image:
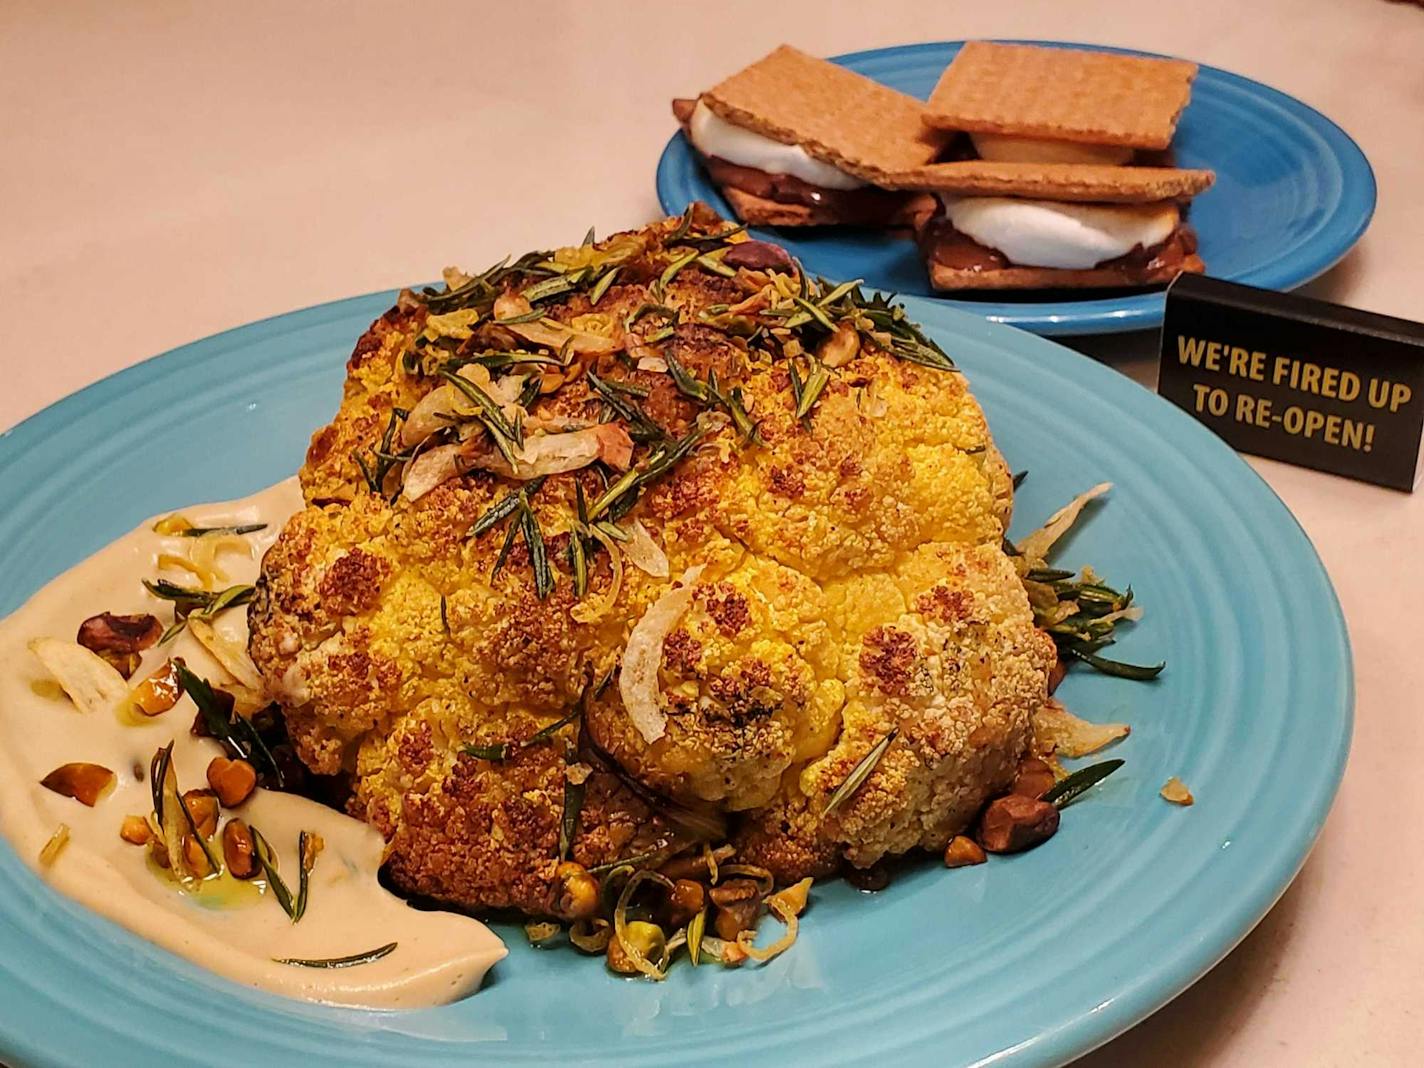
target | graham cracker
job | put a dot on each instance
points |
(950, 278)
(1062, 94)
(759, 211)
(1054, 181)
(837, 116)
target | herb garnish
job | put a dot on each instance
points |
(267, 860)
(569, 818)
(501, 751)
(234, 731)
(859, 773)
(188, 601)
(507, 438)
(1064, 791)
(340, 962)
(242, 528)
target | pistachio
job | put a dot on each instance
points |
(1034, 778)
(962, 852)
(81, 781)
(840, 347)
(135, 830)
(203, 807)
(239, 853)
(158, 693)
(1014, 823)
(119, 639)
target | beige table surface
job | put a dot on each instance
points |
(170, 170)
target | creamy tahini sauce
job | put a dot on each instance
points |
(235, 929)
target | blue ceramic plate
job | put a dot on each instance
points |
(1293, 194)
(1031, 959)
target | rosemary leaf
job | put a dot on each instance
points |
(444, 616)
(601, 286)
(243, 528)
(812, 388)
(267, 860)
(695, 931)
(840, 291)
(859, 773)
(538, 553)
(531, 316)
(708, 263)
(640, 426)
(1019, 478)
(588, 238)
(1063, 792)
(683, 226)
(569, 818)
(340, 962)
(551, 287)
(673, 268)
(493, 753)
(504, 507)
(306, 860)
(1116, 668)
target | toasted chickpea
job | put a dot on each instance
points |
(962, 852)
(134, 830)
(738, 904)
(685, 900)
(232, 780)
(239, 853)
(647, 938)
(203, 807)
(578, 894)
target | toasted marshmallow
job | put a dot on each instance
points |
(1047, 233)
(715, 136)
(1002, 148)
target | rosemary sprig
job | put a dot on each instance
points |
(709, 394)
(444, 616)
(673, 269)
(538, 552)
(500, 751)
(187, 601)
(241, 528)
(552, 287)
(640, 426)
(234, 731)
(306, 861)
(354, 959)
(506, 438)
(856, 779)
(267, 861)
(1064, 791)
(1116, 668)
(375, 474)
(620, 496)
(810, 389)
(504, 507)
(569, 818)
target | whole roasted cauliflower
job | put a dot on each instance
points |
(643, 542)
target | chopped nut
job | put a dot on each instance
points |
(756, 256)
(738, 904)
(134, 830)
(868, 880)
(962, 852)
(81, 781)
(549, 382)
(1034, 778)
(647, 938)
(232, 780)
(194, 857)
(685, 900)
(1176, 792)
(203, 807)
(119, 639)
(159, 692)
(239, 853)
(578, 896)
(841, 347)
(1015, 823)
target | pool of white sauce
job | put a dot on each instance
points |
(438, 957)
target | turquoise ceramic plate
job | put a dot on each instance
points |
(1027, 960)
(1293, 193)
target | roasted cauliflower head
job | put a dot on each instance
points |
(644, 541)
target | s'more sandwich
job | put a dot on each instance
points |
(794, 140)
(1060, 171)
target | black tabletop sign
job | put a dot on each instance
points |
(1294, 379)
